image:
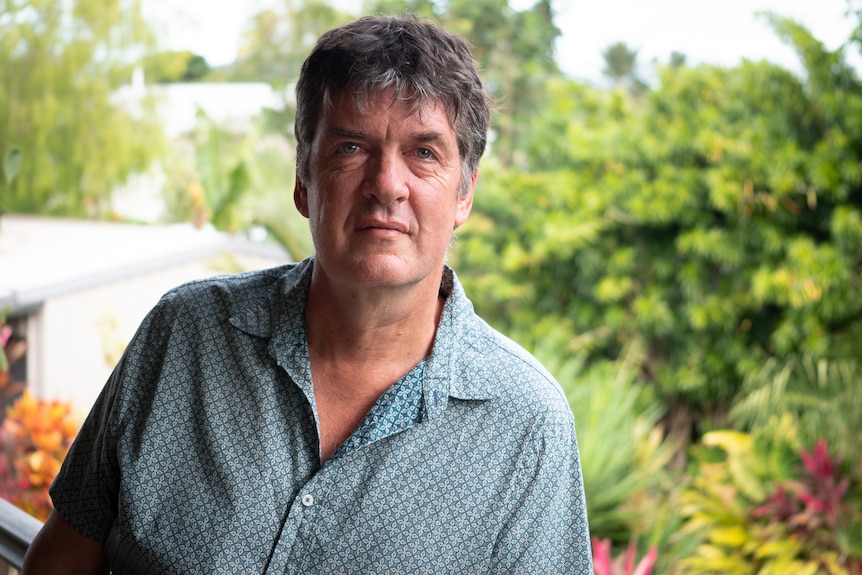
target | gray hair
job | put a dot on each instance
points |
(416, 59)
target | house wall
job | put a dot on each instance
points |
(75, 338)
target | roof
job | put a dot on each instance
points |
(42, 258)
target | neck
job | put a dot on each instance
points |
(359, 343)
(382, 325)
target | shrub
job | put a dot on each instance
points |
(34, 439)
(762, 509)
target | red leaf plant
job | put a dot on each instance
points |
(623, 564)
(814, 500)
(811, 507)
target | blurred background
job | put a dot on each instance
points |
(669, 216)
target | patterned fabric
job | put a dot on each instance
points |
(201, 453)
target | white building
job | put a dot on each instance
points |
(77, 290)
(228, 104)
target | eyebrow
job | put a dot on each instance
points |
(429, 136)
(339, 131)
(344, 132)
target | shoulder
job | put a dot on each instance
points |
(221, 297)
(486, 364)
(199, 314)
(489, 360)
(231, 288)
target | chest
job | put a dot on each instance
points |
(345, 397)
(428, 498)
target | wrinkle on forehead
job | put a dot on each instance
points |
(415, 102)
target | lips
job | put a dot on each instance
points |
(375, 224)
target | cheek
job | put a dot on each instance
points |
(439, 221)
(325, 215)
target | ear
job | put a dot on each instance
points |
(465, 202)
(300, 197)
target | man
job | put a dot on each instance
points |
(348, 414)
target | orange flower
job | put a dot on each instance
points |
(34, 439)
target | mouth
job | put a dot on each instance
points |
(382, 225)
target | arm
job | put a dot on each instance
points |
(60, 550)
(546, 532)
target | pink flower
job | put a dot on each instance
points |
(604, 564)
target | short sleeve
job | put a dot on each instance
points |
(547, 530)
(86, 489)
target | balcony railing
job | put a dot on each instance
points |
(17, 530)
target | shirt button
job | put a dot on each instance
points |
(308, 500)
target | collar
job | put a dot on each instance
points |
(451, 370)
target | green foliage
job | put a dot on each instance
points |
(822, 398)
(211, 187)
(221, 171)
(11, 169)
(5, 333)
(175, 66)
(11, 165)
(13, 349)
(855, 7)
(270, 201)
(62, 63)
(713, 223)
(621, 67)
(238, 183)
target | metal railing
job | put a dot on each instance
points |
(17, 530)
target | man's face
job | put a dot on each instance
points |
(382, 192)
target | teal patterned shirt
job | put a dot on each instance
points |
(201, 454)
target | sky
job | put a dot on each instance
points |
(706, 31)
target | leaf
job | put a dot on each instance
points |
(646, 564)
(733, 537)
(785, 548)
(12, 164)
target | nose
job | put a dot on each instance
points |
(386, 180)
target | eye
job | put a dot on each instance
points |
(424, 154)
(348, 148)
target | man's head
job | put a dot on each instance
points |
(415, 60)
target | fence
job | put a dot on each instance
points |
(17, 530)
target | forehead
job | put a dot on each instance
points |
(385, 109)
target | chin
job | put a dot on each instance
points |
(385, 271)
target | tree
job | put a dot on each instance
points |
(275, 43)
(174, 66)
(704, 228)
(196, 68)
(62, 63)
(621, 67)
(854, 7)
(277, 40)
(515, 52)
(677, 59)
(620, 62)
